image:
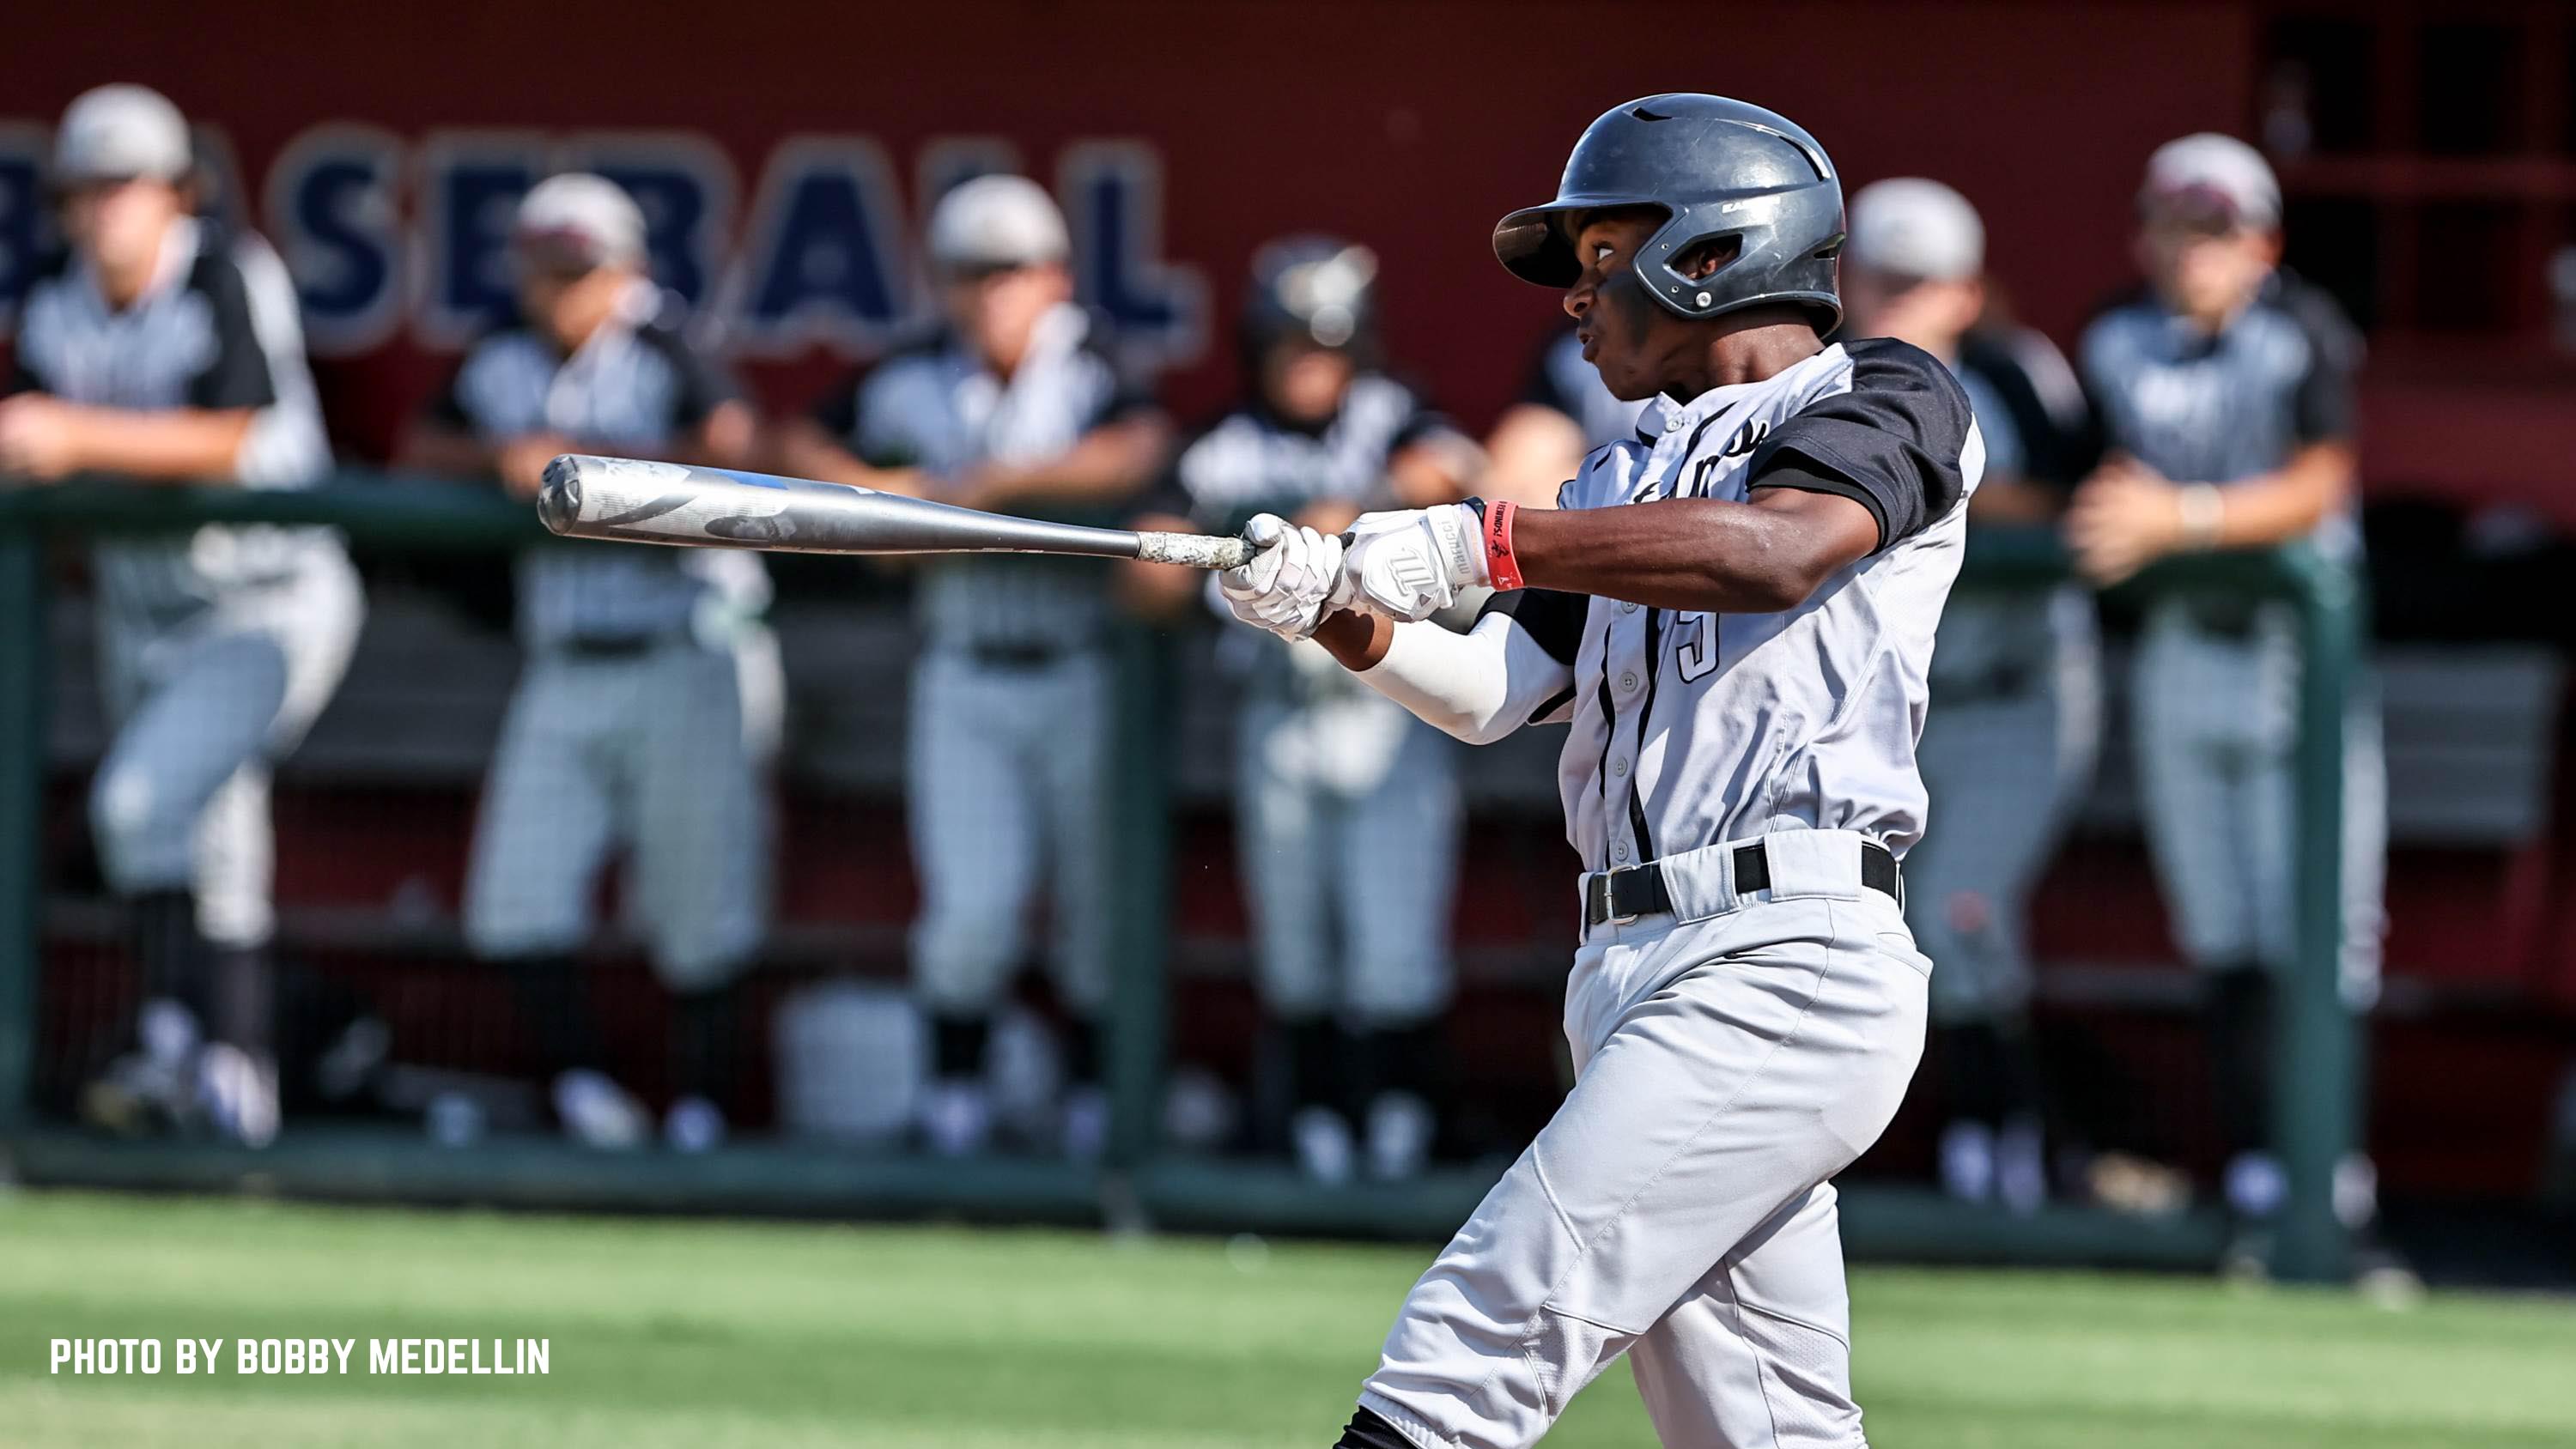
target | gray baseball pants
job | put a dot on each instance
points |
(1731, 1057)
(181, 799)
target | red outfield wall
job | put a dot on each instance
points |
(1409, 126)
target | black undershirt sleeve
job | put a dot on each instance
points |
(2323, 408)
(704, 384)
(237, 376)
(1553, 618)
(1810, 480)
(1895, 442)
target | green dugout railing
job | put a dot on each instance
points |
(2320, 1051)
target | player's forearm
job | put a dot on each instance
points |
(171, 445)
(1478, 686)
(1109, 463)
(1696, 554)
(2286, 504)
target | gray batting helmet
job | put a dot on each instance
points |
(1717, 168)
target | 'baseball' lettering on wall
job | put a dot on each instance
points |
(381, 233)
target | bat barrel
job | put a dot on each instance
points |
(559, 495)
(637, 501)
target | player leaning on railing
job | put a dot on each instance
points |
(2225, 388)
(649, 703)
(1736, 614)
(162, 350)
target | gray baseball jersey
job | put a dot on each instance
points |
(638, 722)
(1347, 805)
(219, 647)
(636, 384)
(1737, 1048)
(1691, 728)
(934, 406)
(216, 329)
(2214, 696)
(1011, 700)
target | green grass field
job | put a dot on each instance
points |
(717, 1334)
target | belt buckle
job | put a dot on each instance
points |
(1597, 902)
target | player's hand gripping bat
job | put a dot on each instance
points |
(635, 501)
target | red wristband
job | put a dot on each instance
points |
(1501, 564)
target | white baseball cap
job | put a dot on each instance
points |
(1907, 226)
(2216, 174)
(583, 217)
(994, 222)
(121, 132)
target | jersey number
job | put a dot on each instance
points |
(1695, 645)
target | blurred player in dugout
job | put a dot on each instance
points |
(164, 351)
(2014, 729)
(1016, 404)
(1347, 813)
(649, 702)
(2225, 389)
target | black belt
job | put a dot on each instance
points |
(1021, 656)
(1639, 890)
(2223, 616)
(614, 646)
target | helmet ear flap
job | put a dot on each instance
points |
(1709, 255)
(1681, 269)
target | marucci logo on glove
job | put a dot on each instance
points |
(1413, 574)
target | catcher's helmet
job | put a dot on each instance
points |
(1315, 289)
(1717, 168)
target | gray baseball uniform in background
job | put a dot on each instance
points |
(1747, 1004)
(217, 648)
(2010, 749)
(1347, 812)
(649, 701)
(1011, 698)
(2215, 692)
(2216, 688)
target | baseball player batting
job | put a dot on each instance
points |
(1737, 620)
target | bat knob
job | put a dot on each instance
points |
(559, 494)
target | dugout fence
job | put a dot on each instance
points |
(53, 939)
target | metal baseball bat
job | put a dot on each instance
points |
(633, 500)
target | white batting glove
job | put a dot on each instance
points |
(1412, 564)
(1287, 587)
